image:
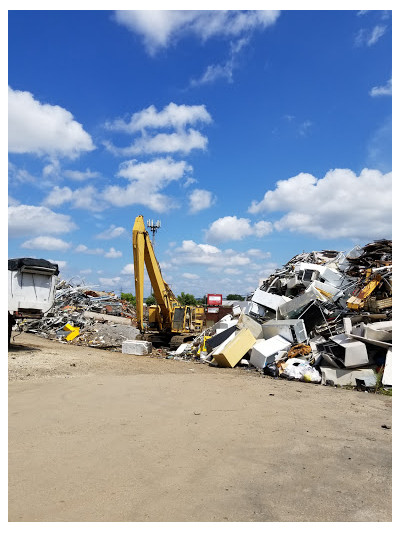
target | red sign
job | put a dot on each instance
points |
(214, 299)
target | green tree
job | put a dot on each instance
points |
(235, 297)
(150, 300)
(187, 299)
(129, 298)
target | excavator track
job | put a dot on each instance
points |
(177, 340)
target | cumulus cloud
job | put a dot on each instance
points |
(205, 254)
(82, 198)
(200, 199)
(161, 28)
(128, 270)
(46, 243)
(83, 249)
(382, 90)
(113, 253)
(29, 220)
(182, 141)
(339, 205)
(43, 129)
(172, 116)
(232, 228)
(111, 233)
(180, 118)
(146, 181)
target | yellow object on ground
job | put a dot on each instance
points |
(202, 347)
(235, 350)
(74, 332)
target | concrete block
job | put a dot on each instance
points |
(265, 351)
(293, 330)
(236, 349)
(246, 322)
(343, 376)
(136, 347)
(354, 353)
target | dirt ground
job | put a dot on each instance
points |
(98, 436)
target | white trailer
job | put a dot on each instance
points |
(31, 288)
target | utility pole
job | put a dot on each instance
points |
(153, 227)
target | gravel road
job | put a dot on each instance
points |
(98, 436)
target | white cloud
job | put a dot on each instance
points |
(86, 271)
(112, 232)
(231, 228)
(29, 220)
(128, 270)
(341, 204)
(369, 37)
(83, 249)
(188, 275)
(221, 71)
(161, 28)
(84, 198)
(78, 175)
(46, 243)
(13, 201)
(43, 129)
(19, 175)
(200, 199)
(205, 254)
(183, 141)
(382, 90)
(110, 282)
(113, 253)
(172, 116)
(147, 180)
(61, 264)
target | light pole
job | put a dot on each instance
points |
(153, 227)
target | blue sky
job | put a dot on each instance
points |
(251, 135)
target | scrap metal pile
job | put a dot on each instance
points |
(324, 317)
(86, 317)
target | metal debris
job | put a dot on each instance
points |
(97, 316)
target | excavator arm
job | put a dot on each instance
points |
(143, 254)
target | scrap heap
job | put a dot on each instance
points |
(86, 317)
(323, 317)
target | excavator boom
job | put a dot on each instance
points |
(143, 254)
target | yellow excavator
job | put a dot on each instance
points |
(169, 323)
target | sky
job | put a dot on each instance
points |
(251, 135)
